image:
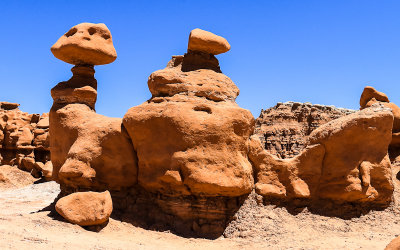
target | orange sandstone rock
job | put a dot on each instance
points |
(370, 96)
(369, 93)
(394, 244)
(86, 44)
(88, 149)
(191, 137)
(86, 208)
(346, 160)
(201, 40)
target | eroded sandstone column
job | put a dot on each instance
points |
(191, 136)
(88, 150)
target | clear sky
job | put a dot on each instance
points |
(283, 50)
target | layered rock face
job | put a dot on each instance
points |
(24, 139)
(283, 129)
(88, 150)
(345, 160)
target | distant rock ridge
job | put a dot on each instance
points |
(283, 128)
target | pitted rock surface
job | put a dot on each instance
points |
(86, 44)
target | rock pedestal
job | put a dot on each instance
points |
(86, 208)
(88, 150)
(191, 136)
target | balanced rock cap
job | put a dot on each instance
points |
(86, 44)
(369, 93)
(201, 40)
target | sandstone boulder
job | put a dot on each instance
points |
(370, 93)
(201, 40)
(43, 123)
(86, 208)
(8, 105)
(86, 44)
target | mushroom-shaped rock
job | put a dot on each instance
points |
(201, 40)
(86, 208)
(86, 44)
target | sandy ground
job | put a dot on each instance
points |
(25, 224)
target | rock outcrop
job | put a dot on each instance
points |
(196, 129)
(283, 129)
(88, 150)
(86, 208)
(345, 160)
(24, 138)
(191, 143)
(371, 96)
(186, 159)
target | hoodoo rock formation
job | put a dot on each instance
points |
(345, 160)
(199, 135)
(284, 128)
(24, 140)
(186, 159)
(198, 131)
(88, 150)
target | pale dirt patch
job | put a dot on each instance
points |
(12, 177)
(24, 226)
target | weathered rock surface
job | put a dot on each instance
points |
(86, 44)
(88, 150)
(205, 41)
(198, 131)
(283, 129)
(371, 96)
(346, 160)
(370, 93)
(394, 244)
(24, 138)
(86, 208)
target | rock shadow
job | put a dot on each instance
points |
(185, 216)
(327, 208)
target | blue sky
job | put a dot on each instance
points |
(283, 50)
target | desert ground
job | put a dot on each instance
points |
(28, 220)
